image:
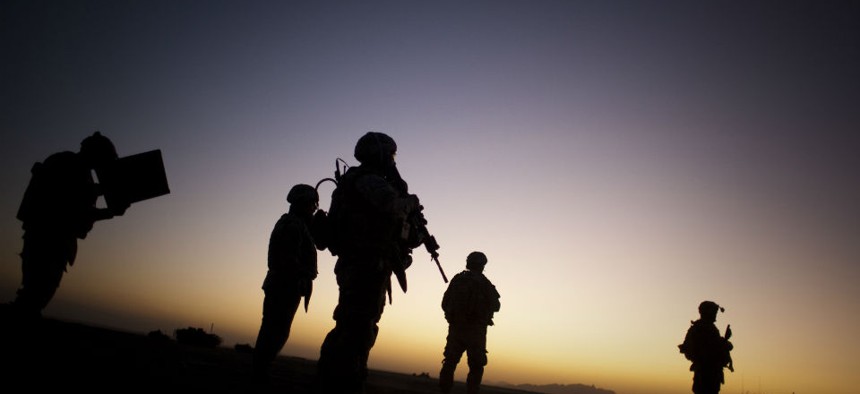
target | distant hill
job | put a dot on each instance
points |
(559, 388)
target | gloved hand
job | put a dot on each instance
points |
(118, 207)
(319, 229)
(120, 210)
(320, 215)
(413, 204)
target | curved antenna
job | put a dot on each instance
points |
(323, 180)
(317, 187)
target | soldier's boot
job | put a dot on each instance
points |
(446, 376)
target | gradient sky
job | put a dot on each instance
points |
(618, 162)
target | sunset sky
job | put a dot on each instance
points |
(617, 161)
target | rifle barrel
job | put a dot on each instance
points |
(441, 271)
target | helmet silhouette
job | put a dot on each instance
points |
(476, 260)
(98, 149)
(302, 193)
(375, 148)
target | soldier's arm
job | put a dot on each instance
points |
(294, 239)
(492, 294)
(284, 246)
(384, 197)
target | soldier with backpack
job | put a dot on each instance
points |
(369, 232)
(708, 351)
(469, 304)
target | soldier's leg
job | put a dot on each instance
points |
(476, 352)
(42, 269)
(454, 348)
(279, 309)
(476, 372)
(342, 366)
(343, 356)
(707, 381)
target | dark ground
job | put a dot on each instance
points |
(52, 354)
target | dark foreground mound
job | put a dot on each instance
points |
(52, 354)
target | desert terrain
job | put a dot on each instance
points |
(50, 354)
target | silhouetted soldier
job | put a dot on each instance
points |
(58, 208)
(292, 266)
(369, 208)
(469, 303)
(707, 350)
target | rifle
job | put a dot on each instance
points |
(419, 223)
(731, 364)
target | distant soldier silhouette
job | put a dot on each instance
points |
(58, 208)
(292, 263)
(707, 350)
(469, 303)
(369, 234)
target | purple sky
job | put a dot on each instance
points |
(636, 157)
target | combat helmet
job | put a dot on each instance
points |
(476, 260)
(375, 148)
(98, 149)
(710, 307)
(302, 193)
